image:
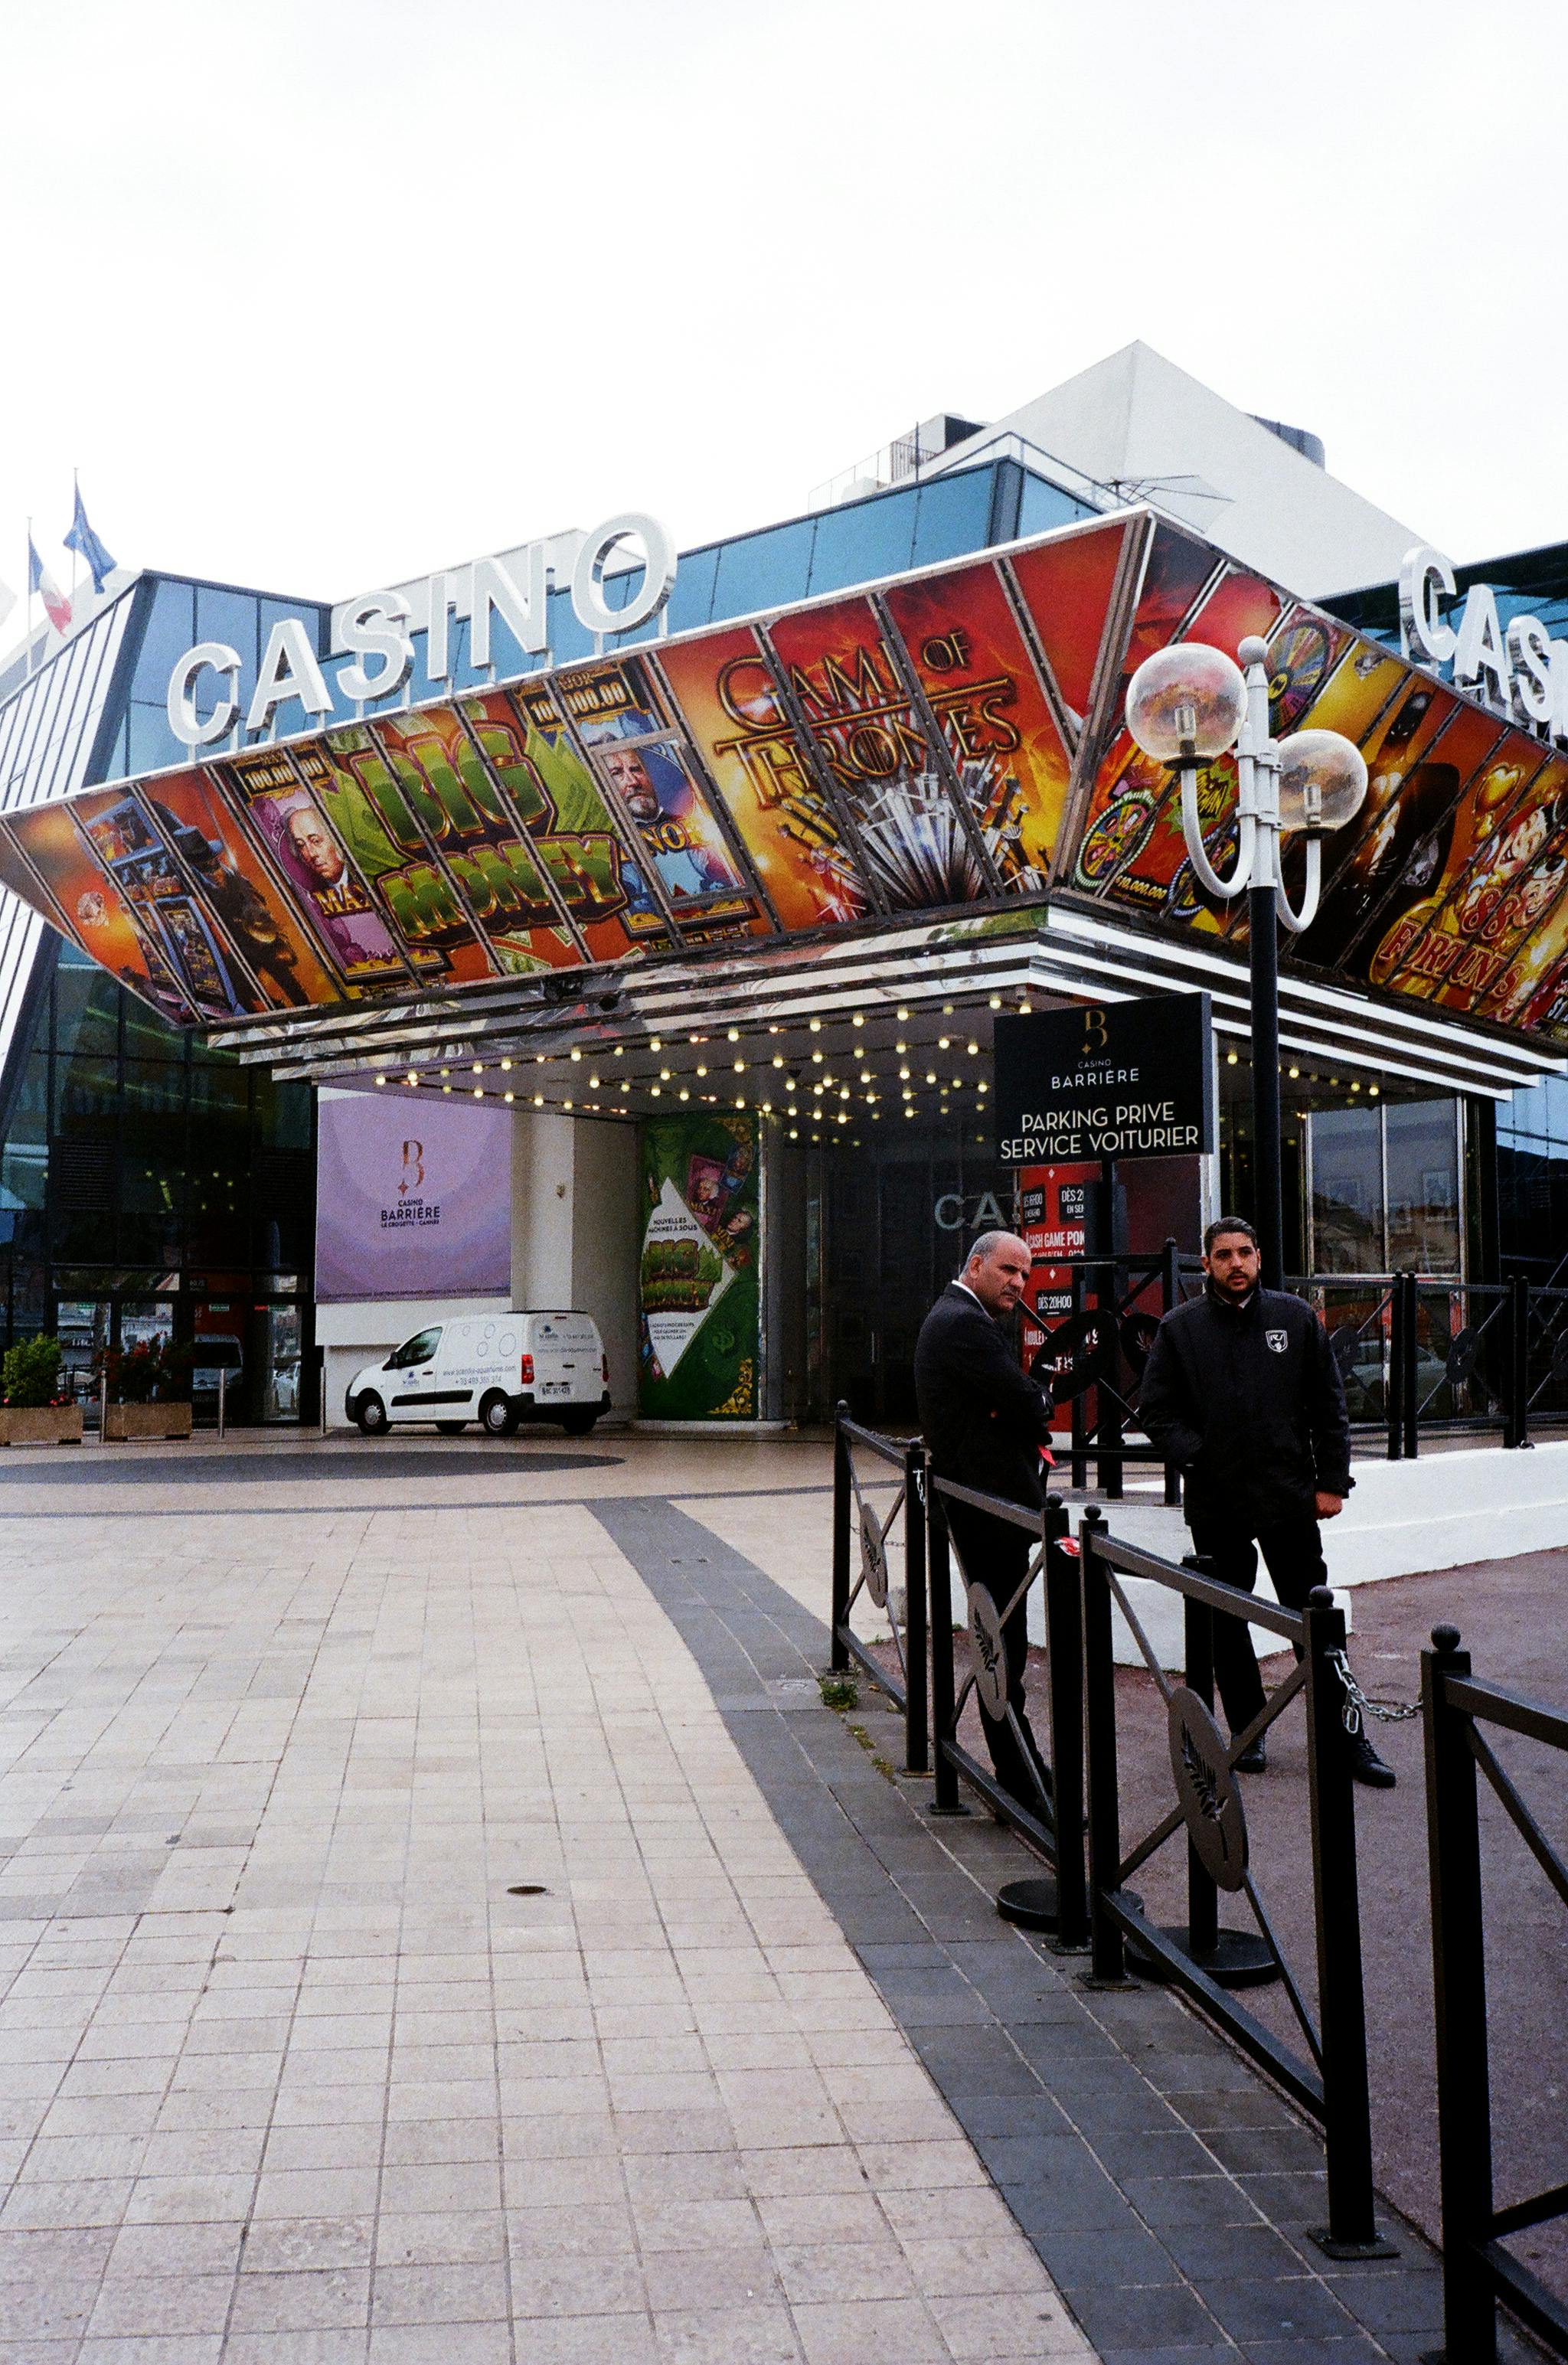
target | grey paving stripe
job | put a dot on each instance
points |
(1165, 2187)
(330, 1464)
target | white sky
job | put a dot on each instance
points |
(320, 294)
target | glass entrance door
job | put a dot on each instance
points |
(897, 1221)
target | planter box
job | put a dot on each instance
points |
(40, 1424)
(123, 1421)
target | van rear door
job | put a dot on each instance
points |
(566, 1360)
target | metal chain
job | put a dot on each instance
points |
(1358, 1706)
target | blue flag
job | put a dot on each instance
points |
(87, 544)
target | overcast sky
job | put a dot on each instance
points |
(319, 294)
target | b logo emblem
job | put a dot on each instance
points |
(1278, 1340)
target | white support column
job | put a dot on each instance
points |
(574, 1230)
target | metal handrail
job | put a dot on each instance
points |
(1333, 2087)
(908, 1690)
(1477, 2270)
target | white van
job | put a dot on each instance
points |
(496, 1369)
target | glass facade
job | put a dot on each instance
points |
(1532, 1181)
(150, 1184)
(801, 558)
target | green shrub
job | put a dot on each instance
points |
(30, 1373)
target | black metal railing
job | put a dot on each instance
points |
(1332, 2085)
(1049, 1819)
(1420, 1358)
(1478, 2271)
(1095, 1358)
(861, 1531)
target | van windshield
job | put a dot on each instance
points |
(416, 1350)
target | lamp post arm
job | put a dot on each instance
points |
(1192, 830)
(1296, 922)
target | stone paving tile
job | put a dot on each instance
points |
(1149, 2167)
(309, 2086)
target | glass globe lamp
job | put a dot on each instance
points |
(1186, 701)
(1323, 780)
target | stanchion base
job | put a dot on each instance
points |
(1239, 1960)
(1032, 1904)
(935, 1810)
(1331, 2248)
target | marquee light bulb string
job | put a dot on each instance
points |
(812, 1092)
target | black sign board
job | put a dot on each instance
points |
(1117, 1079)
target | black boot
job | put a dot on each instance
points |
(1367, 1767)
(1253, 1759)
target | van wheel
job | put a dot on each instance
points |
(371, 1414)
(578, 1424)
(451, 1428)
(497, 1418)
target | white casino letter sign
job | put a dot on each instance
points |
(184, 721)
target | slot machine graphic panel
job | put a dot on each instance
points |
(233, 882)
(313, 854)
(100, 916)
(637, 752)
(725, 691)
(453, 797)
(987, 699)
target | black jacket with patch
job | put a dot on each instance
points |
(1248, 1402)
(983, 1417)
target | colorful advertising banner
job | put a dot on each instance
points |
(411, 1201)
(698, 1291)
(950, 740)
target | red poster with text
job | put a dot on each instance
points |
(1053, 1203)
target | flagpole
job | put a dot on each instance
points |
(29, 598)
(75, 553)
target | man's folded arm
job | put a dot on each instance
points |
(1001, 1385)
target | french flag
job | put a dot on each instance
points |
(57, 607)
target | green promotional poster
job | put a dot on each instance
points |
(698, 1276)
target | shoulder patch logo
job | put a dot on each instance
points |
(1278, 1340)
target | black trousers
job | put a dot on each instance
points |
(1293, 1552)
(994, 1555)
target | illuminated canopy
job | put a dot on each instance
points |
(947, 742)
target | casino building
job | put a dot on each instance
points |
(599, 924)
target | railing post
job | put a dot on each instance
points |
(1394, 1387)
(1198, 1655)
(838, 1655)
(916, 1755)
(223, 1396)
(1107, 1405)
(945, 1798)
(1064, 1643)
(1079, 1424)
(1410, 1395)
(1108, 1952)
(1458, 1996)
(1351, 2231)
(1170, 1293)
(1516, 1428)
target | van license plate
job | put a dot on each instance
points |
(555, 1388)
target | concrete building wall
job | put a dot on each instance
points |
(574, 1243)
(1137, 421)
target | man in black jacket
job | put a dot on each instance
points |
(987, 1424)
(1242, 1390)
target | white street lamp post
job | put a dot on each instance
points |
(1188, 705)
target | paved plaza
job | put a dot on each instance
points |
(439, 1920)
